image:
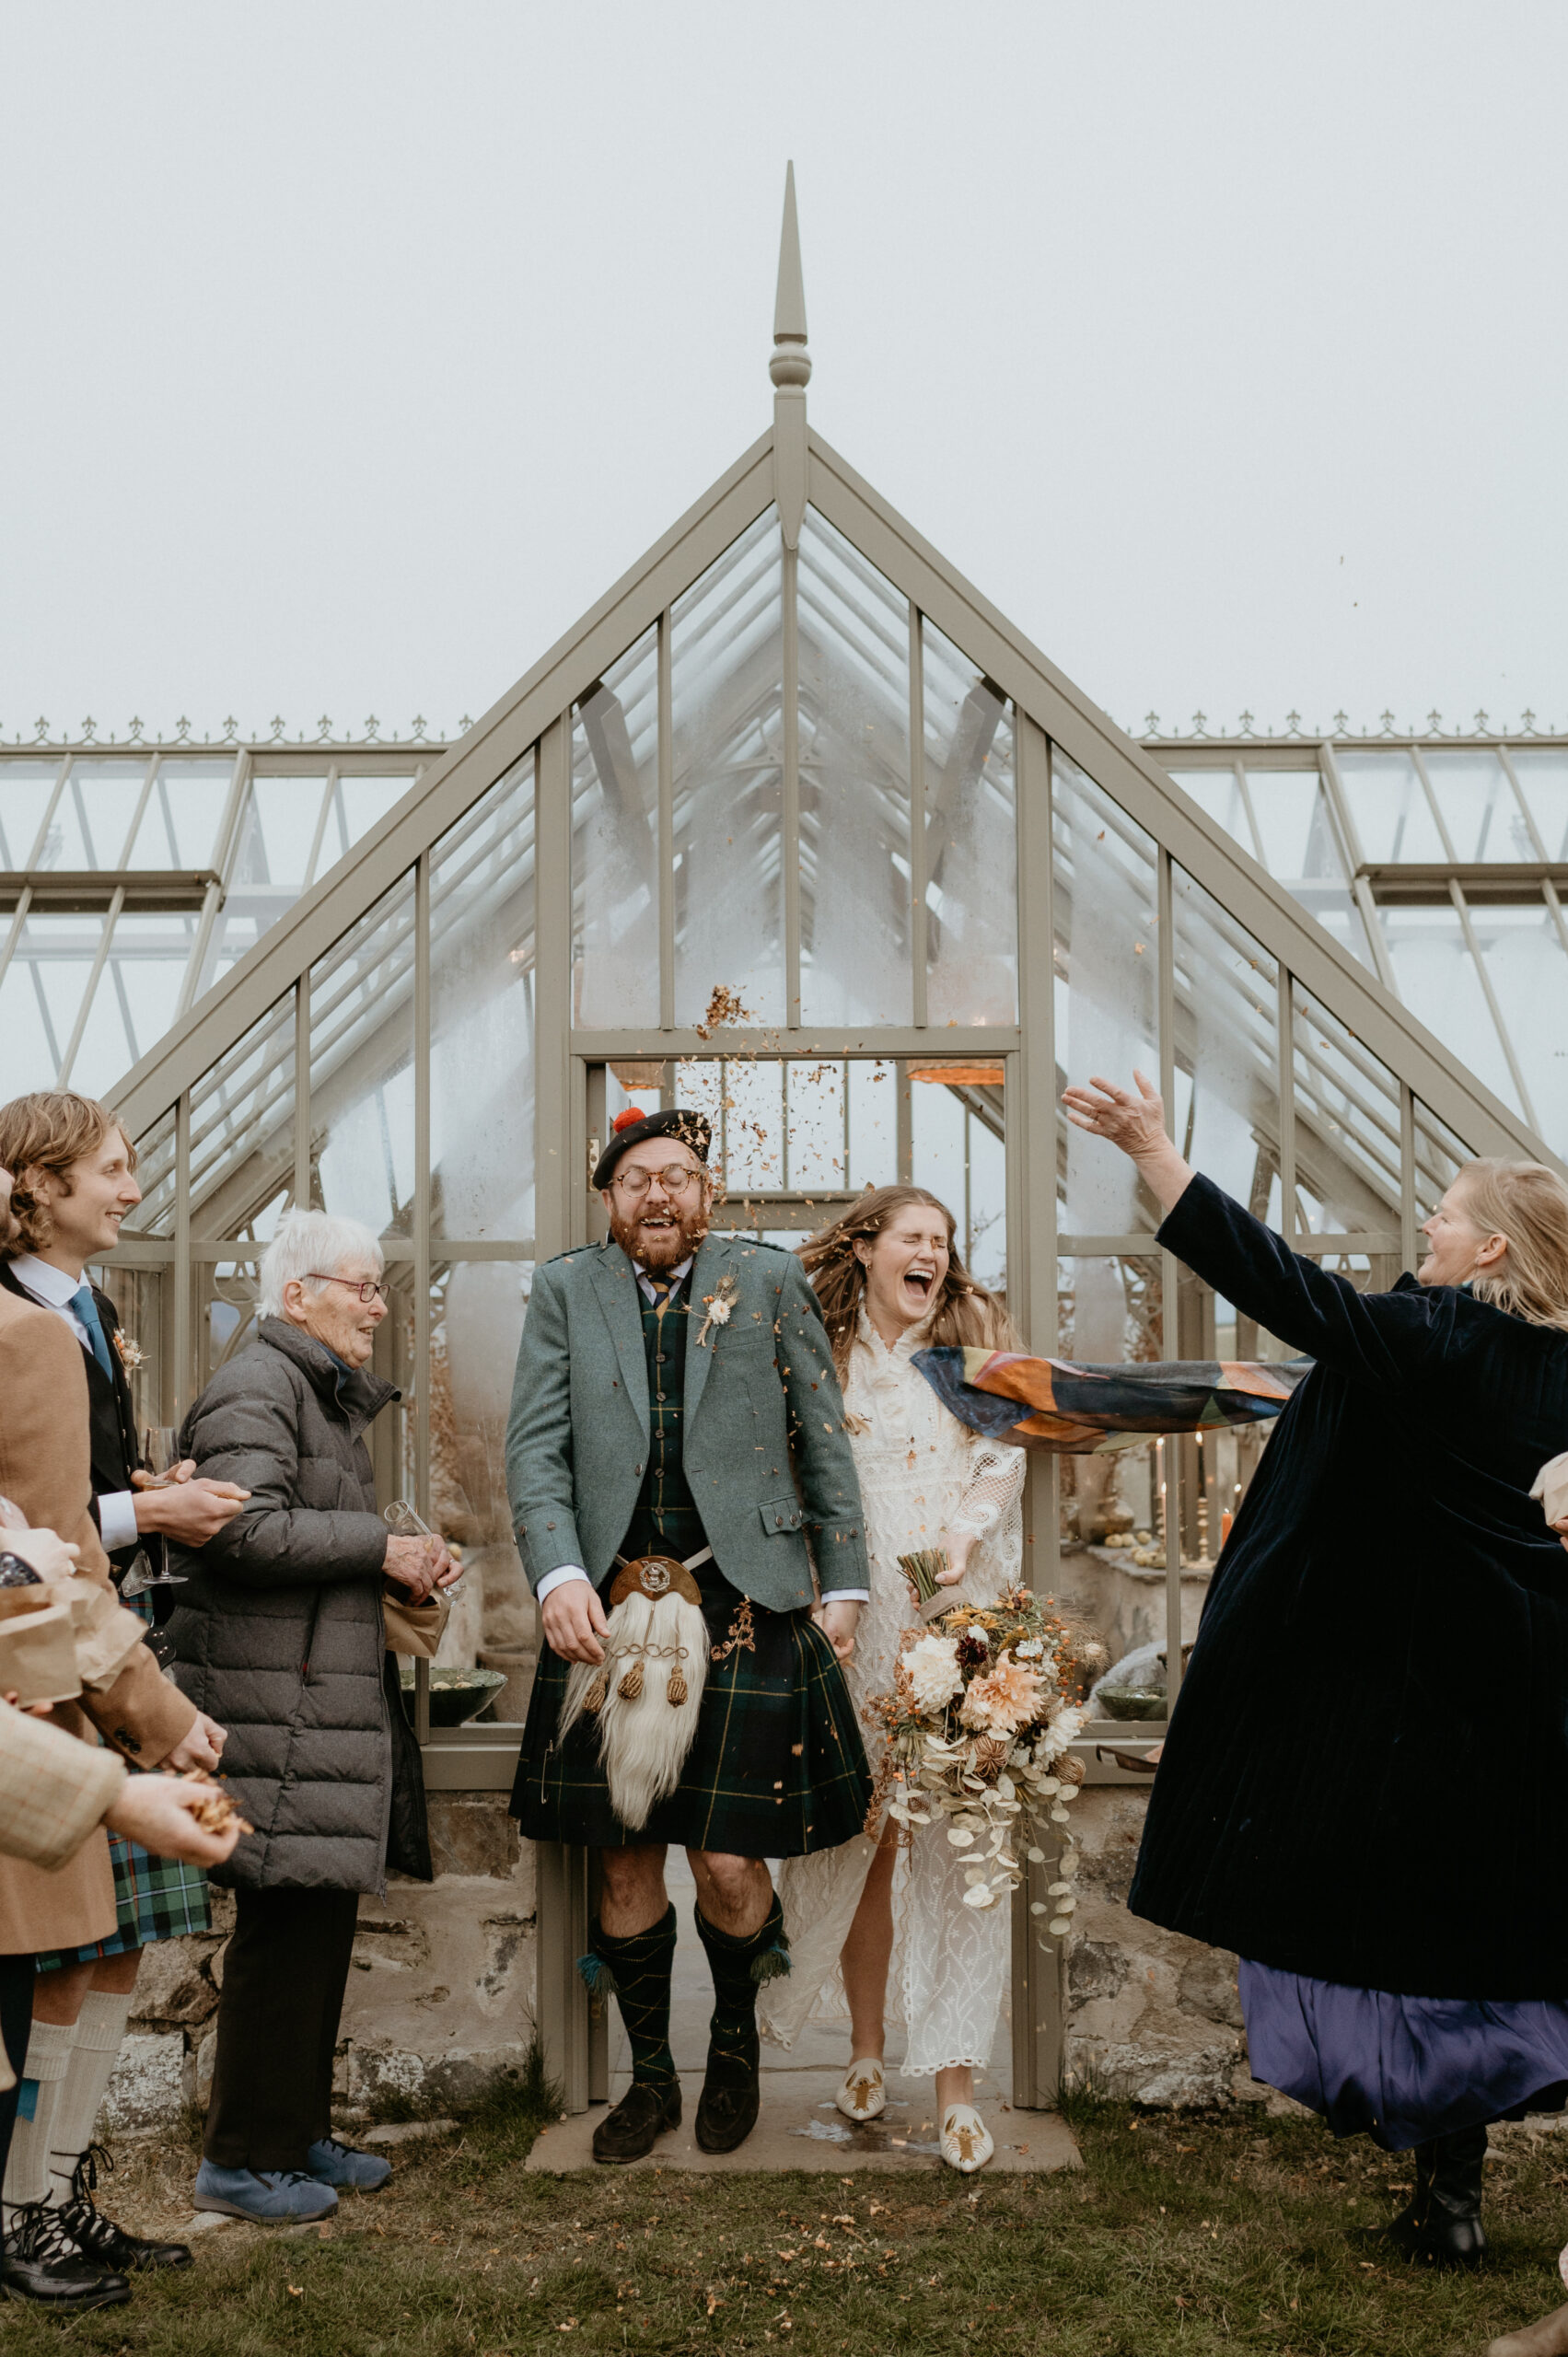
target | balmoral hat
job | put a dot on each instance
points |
(632, 1127)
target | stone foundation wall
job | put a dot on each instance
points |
(1152, 2018)
(440, 1991)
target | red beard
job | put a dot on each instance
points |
(659, 1249)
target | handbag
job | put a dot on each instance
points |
(413, 1628)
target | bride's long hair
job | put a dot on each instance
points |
(965, 1313)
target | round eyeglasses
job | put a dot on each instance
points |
(368, 1289)
(675, 1178)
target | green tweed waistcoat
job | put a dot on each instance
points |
(666, 1521)
(764, 1449)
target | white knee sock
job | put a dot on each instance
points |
(48, 2058)
(100, 2027)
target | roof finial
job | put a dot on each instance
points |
(790, 369)
(791, 363)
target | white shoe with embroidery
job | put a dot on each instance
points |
(967, 2141)
(863, 2094)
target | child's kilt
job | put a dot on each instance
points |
(777, 1767)
(156, 1898)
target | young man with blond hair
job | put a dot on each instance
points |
(74, 1172)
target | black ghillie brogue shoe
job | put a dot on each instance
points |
(1440, 2225)
(727, 2111)
(42, 2264)
(645, 2112)
(99, 2238)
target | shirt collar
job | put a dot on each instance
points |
(645, 1276)
(42, 1278)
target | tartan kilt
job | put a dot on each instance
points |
(777, 1768)
(158, 1899)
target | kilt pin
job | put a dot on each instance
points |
(726, 1435)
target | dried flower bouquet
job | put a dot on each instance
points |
(976, 1729)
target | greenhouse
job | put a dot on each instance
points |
(795, 826)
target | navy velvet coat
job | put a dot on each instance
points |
(1366, 1776)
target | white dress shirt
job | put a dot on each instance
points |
(53, 1289)
(565, 1572)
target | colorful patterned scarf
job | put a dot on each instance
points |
(1071, 1411)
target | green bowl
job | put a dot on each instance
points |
(1130, 1702)
(455, 1694)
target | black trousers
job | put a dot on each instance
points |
(15, 2025)
(285, 1971)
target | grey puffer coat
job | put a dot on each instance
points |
(279, 1635)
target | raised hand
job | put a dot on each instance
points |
(1136, 1125)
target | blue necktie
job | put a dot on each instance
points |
(86, 1308)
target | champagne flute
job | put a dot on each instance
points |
(160, 1448)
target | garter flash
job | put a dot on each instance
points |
(647, 1691)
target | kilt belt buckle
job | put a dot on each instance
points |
(645, 1694)
(656, 1576)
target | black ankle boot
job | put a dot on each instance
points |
(1441, 2225)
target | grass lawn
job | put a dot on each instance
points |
(1180, 2233)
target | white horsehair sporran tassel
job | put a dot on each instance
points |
(647, 1691)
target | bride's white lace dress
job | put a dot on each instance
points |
(922, 1473)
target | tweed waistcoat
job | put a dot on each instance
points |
(666, 1521)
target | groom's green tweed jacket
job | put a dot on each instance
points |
(763, 1438)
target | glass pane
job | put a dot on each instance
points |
(476, 1311)
(615, 936)
(854, 797)
(1437, 977)
(726, 660)
(1226, 1117)
(873, 1122)
(1479, 807)
(1439, 1159)
(361, 803)
(148, 960)
(1543, 773)
(25, 791)
(1218, 791)
(957, 1133)
(43, 991)
(1524, 957)
(154, 1215)
(1347, 1129)
(971, 841)
(1391, 812)
(1107, 985)
(279, 832)
(242, 1129)
(94, 814)
(482, 1015)
(180, 826)
(814, 1141)
(362, 1069)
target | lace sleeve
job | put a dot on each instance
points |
(995, 1480)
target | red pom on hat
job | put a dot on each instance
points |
(624, 1121)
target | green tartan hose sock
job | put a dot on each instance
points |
(637, 1971)
(739, 1969)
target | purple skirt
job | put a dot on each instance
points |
(1402, 2070)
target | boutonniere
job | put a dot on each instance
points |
(718, 1305)
(132, 1354)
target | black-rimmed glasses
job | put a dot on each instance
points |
(675, 1178)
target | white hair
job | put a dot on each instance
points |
(313, 1244)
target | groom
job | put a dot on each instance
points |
(676, 1398)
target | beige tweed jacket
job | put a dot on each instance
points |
(53, 1791)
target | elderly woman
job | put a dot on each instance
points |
(281, 1630)
(1365, 1790)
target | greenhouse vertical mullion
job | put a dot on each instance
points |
(792, 786)
(302, 1189)
(1406, 1175)
(100, 959)
(666, 829)
(1361, 889)
(917, 813)
(319, 837)
(1170, 1336)
(1285, 1026)
(183, 1327)
(422, 1243)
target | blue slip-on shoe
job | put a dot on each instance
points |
(335, 2163)
(274, 2197)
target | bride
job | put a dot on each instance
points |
(890, 1284)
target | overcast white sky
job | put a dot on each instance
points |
(350, 351)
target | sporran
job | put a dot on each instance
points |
(647, 1694)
